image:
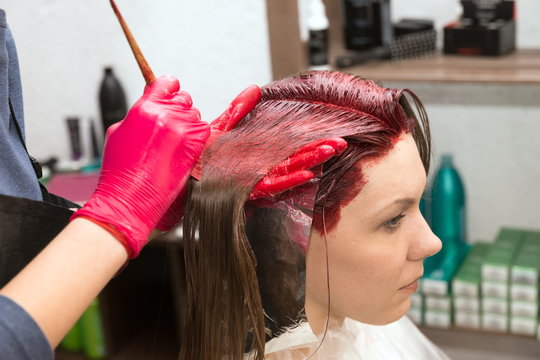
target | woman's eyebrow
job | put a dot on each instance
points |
(405, 202)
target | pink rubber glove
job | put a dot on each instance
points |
(236, 111)
(294, 171)
(146, 162)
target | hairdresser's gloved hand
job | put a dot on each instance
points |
(236, 111)
(294, 171)
(146, 162)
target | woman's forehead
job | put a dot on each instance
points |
(399, 175)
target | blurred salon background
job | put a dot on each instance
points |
(478, 76)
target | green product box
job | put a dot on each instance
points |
(494, 322)
(532, 236)
(496, 265)
(531, 242)
(497, 289)
(417, 300)
(508, 238)
(416, 315)
(523, 292)
(495, 305)
(467, 281)
(437, 282)
(527, 309)
(467, 319)
(532, 248)
(477, 253)
(523, 326)
(439, 303)
(526, 267)
(466, 304)
(438, 319)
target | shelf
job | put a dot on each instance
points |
(520, 67)
(472, 344)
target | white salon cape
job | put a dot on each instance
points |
(356, 341)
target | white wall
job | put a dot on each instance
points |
(215, 48)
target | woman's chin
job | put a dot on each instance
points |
(384, 317)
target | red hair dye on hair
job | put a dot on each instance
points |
(304, 108)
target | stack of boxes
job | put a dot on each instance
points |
(466, 295)
(437, 298)
(496, 273)
(495, 288)
(432, 305)
(524, 286)
(416, 312)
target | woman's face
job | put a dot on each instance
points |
(376, 251)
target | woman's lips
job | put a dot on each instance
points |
(412, 286)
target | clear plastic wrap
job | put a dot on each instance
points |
(278, 232)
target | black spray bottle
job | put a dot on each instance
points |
(112, 100)
(317, 24)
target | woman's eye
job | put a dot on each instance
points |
(393, 223)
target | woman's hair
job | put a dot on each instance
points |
(239, 292)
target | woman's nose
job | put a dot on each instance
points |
(427, 243)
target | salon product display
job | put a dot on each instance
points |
(73, 125)
(487, 27)
(366, 23)
(404, 47)
(466, 288)
(94, 160)
(447, 209)
(445, 212)
(162, 122)
(370, 35)
(112, 99)
(495, 289)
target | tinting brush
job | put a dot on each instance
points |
(147, 72)
(404, 47)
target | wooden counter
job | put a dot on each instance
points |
(520, 67)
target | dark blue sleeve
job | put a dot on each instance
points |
(17, 176)
(20, 336)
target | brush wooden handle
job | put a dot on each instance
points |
(147, 72)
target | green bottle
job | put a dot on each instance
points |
(447, 213)
(73, 339)
(92, 329)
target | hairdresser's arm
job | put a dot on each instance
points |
(147, 160)
(59, 284)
